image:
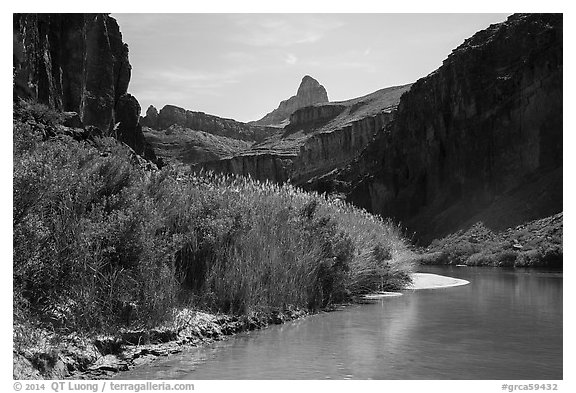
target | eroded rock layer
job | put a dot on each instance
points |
(181, 147)
(171, 115)
(318, 140)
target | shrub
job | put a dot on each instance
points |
(482, 259)
(505, 258)
(99, 243)
(529, 258)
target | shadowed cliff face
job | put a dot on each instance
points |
(78, 63)
(479, 139)
(309, 92)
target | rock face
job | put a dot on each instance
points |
(181, 147)
(310, 92)
(151, 118)
(318, 140)
(77, 63)
(479, 139)
(199, 121)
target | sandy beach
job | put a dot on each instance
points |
(434, 281)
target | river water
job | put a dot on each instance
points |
(506, 324)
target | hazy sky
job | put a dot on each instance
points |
(242, 65)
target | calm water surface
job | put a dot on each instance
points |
(506, 324)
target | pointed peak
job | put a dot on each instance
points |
(311, 87)
(308, 80)
(310, 92)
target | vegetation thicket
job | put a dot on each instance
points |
(101, 243)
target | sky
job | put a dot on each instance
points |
(241, 66)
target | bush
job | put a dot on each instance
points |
(100, 243)
(481, 259)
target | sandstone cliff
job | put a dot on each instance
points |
(309, 92)
(318, 140)
(171, 115)
(78, 63)
(181, 147)
(479, 139)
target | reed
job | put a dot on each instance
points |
(100, 243)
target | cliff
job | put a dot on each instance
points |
(318, 140)
(78, 63)
(171, 115)
(309, 92)
(479, 139)
(181, 147)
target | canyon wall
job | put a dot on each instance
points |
(318, 140)
(326, 151)
(180, 147)
(78, 63)
(479, 139)
(259, 166)
(171, 115)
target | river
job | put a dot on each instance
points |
(506, 324)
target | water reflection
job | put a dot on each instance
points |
(504, 325)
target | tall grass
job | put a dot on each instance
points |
(101, 243)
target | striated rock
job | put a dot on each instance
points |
(309, 92)
(479, 139)
(180, 146)
(171, 115)
(77, 63)
(318, 140)
(260, 166)
(74, 62)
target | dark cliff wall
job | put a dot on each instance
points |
(78, 63)
(478, 139)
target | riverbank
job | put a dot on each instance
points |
(57, 356)
(536, 243)
(102, 357)
(105, 242)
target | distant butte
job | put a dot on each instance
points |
(309, 93)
